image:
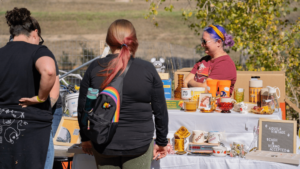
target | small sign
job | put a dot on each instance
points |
(277, 135)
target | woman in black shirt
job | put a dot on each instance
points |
(143, 95)
(27, 76)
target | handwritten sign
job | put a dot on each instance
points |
(277, 135)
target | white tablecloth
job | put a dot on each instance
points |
(83, 161)
(211, 162)
(237, 128)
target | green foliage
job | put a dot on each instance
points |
(260, 30)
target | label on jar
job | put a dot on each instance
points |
(254, 95)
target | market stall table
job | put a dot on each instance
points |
(82, 161)
(237, 128)
(211, 162)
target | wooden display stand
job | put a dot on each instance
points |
(274, 157)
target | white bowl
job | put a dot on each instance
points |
(219, 151)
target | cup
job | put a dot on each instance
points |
(199, 136)
(214, 137)
(239, 94)
(224, 88)
(219, 151)
(190, 106)
(179, 145)
(196, 91)
(212, 86)
(186, 93)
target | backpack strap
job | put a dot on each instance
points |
(127, 67)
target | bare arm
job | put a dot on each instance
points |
(193, 83)
(188, 78)
(54, 93)
(46, 67)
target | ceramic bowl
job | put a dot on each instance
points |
(219, 151)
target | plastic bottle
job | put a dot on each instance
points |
(89, 104)
(91, 99)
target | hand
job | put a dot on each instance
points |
(87, 147)
(24, 102)
(159, 151)
(185, 84)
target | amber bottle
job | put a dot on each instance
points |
(177, 92)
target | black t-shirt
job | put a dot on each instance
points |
(143, 96)
(19, 77)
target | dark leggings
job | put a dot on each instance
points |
(125, 162)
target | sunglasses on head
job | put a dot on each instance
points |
(11, 38)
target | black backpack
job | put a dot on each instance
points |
(103, 119)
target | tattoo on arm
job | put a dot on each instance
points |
(53, 101)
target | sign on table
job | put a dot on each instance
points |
(277, 135)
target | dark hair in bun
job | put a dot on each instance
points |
(20, 22)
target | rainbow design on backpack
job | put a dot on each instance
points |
(113, 93)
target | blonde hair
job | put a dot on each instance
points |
(121, 34)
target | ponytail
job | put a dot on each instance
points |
(121, 34)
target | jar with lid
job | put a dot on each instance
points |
(264, 96)
(255, 86)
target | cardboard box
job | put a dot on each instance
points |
(168, 88)
(174, 103)
(183, 71)
(270, 78)
(164, 76)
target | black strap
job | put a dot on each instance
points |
(127, 67)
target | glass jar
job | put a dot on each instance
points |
(239, 94)
(264, 96)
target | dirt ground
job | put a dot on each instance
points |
(74, 19)
(88, 20)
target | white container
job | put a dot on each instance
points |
(186, 93)
(219, 151)
(72, 104)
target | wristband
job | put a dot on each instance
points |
(39, 100)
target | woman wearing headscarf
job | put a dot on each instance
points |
(217, 64)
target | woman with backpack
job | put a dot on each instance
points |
(131, 146)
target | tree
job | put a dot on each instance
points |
(266, 39)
